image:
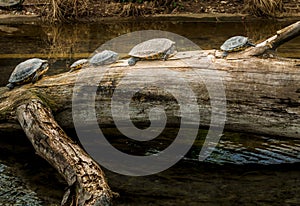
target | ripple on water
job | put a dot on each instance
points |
(255, 150)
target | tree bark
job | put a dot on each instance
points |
(87, 185)
(262, 95)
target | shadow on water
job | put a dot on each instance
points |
(244, 169)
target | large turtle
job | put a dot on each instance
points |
(30, 70)
(103, 58)
(236, 43)
(158, 48)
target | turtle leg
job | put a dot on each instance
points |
(225, 54)
(40, 73)
(35, 78)
(169, 52)
(165, 56)
(76, 68)
(72, 69)
(10, 85)
(132, 61)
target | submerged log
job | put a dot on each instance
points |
(262, 95)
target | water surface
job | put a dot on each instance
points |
(245, 169)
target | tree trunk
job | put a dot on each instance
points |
(262, 95)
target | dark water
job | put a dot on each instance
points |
(244, 169)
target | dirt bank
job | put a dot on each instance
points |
(95, 10)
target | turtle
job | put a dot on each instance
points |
(78, 64)
(103, 58)
(235, 43)
(157, 48)
(30, 70)
(10, 3)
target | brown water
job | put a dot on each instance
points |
(245, 169)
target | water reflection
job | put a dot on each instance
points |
(233, 148)
(189, 182)
(63, 44)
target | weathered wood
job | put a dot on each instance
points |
(262, 94)
(87, 184)
(284, 35)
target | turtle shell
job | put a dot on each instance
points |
(78, 64)
(153, 48)
(235, 43)
(25, 70)
(103, 58)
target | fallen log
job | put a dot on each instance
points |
(87, 185)
(272, 43)
(262, 96)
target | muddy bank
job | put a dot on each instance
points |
(113, 11)
(24, 19)
(35, 19)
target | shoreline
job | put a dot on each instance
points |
(183, 17)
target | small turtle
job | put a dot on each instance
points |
(28, 71)
(10, 3)
(158, 48)
(103, 58)
(78, 64)
(236, 43)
